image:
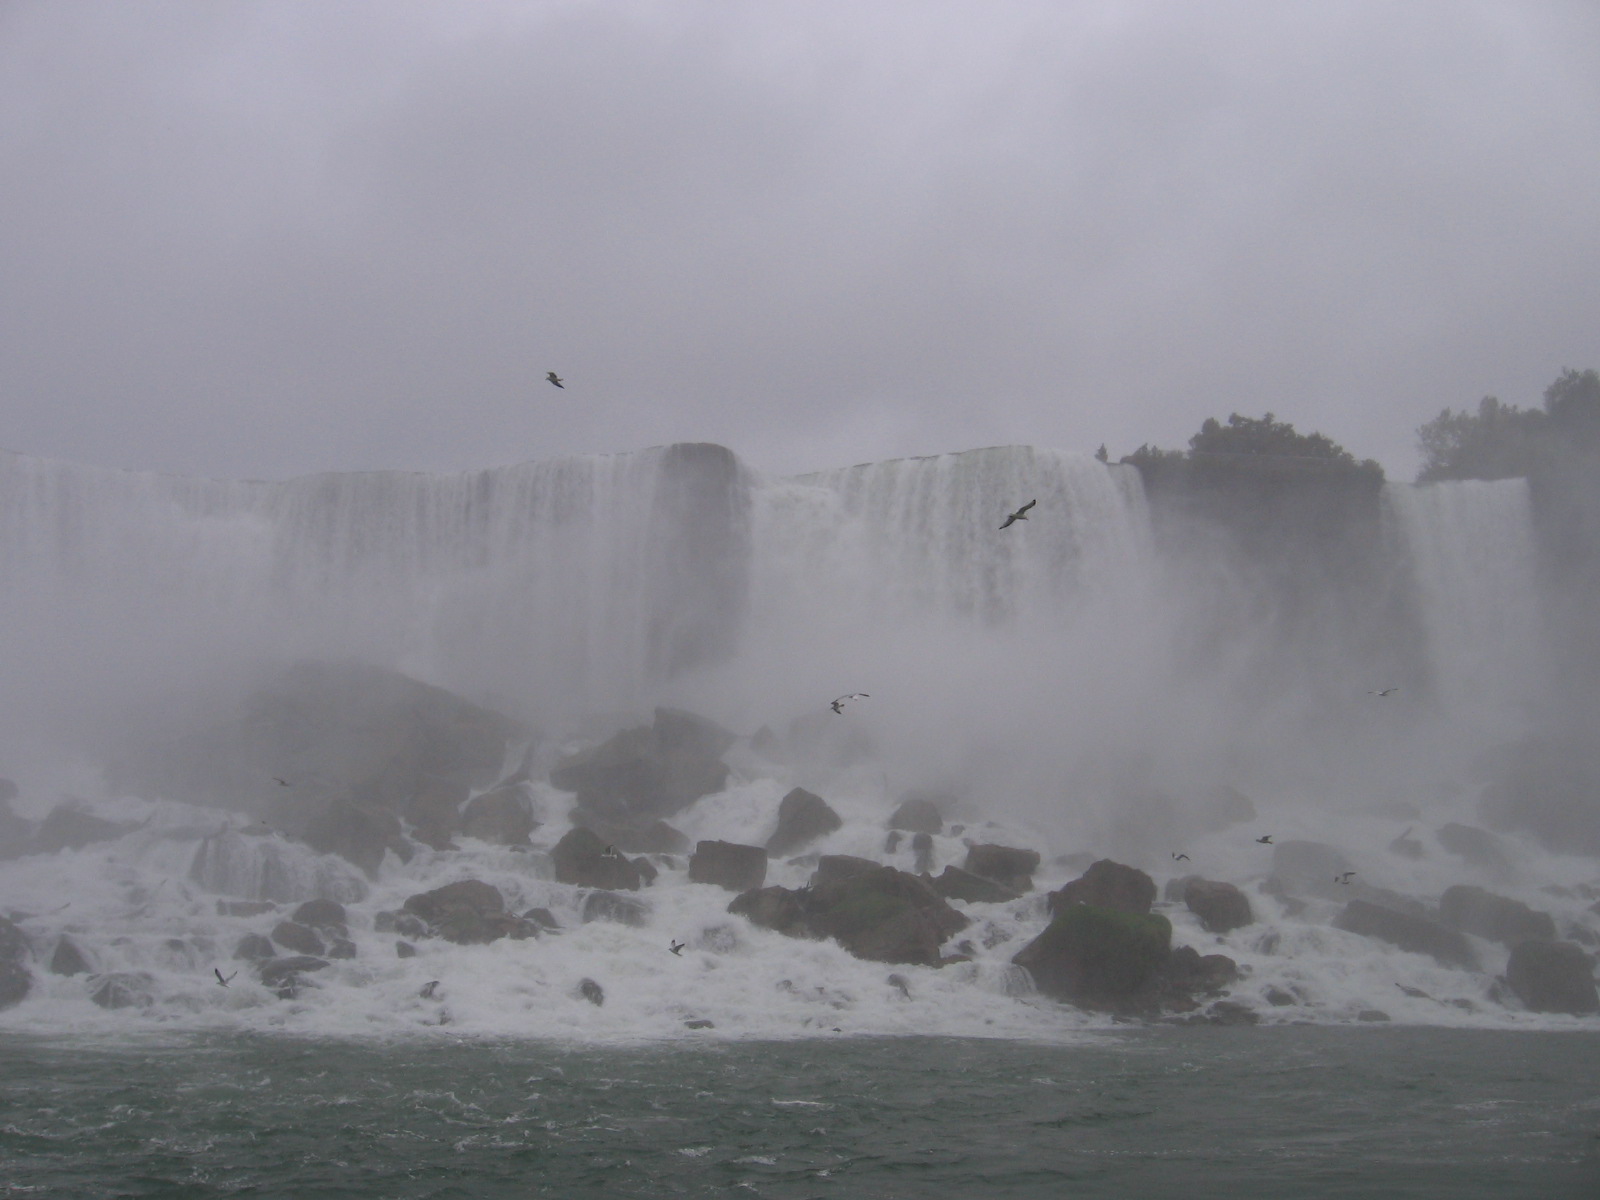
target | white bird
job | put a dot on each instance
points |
(1385, 692)
(555, 379)
(1020, 515)
(838, 705)
(217, 971)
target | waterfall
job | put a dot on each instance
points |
(1471, 548)
(576, 582)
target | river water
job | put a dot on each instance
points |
(1149, 1112)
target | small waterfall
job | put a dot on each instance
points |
(1472, 553)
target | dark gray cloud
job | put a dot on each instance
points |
(268, 239)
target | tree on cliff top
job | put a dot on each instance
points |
(1501, 441)
(1260, 438)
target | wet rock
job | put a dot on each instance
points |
(777, 908)
(882, 915)
(1101, 958)
(332, 730)
(803, 817)
(468, 913)
(291, 935)
(1187, 972)
(580, 858)
(1372, 1015)
(1279, 998)
(69, 958)
(253, 947)
(654, 770)
(1553, 977)
(71, 826)
(592, 992)
(1309, 868)
(922, 852)
(1006, 865)
(123, 989)
(404, 923)
(647, 870)
(321, 914)
(543, 918)
(953, 883)
(1406, 846)
(434, 811)
(876, 913)
(1498, 918)
(359, 833)
(1226, 1013)
(1175, 888)
(1477, 846)
(920, 812)
(15, 978)
(1107, 884)
(1220, 906)
(834, 867)
(503, 816)
(287, 976)
(404, 950)
(698, 1023)
(728, 865)
(1408, 932)
(244, 908)
(615, 906)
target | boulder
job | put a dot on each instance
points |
(652, 771)
(876, 913)
(123, 989)
(1477, 846)
(777, 908)
(468, 913)
(1498, 918)
(70, 826)
(503, 816)
(1220, 906)
(802, 817)
(636, 837)
(580, 858)
(1102, 958)
(921, 852)
(434, 810)
(302, 939)
(920, 812)
(1188, 971)
(1553, 977)
(882, 915)
(1408, 932)
(359, 833)
(832, 867)
(286, 976)
(954, 883)
(592, 992)
(1175, 889)
(15, 978)
(729, 865)
(1006, 865)
(1107, 884)
(254, 947)
(321, 914)
(404, 923)
(69, 958)
(1309, 868)
(330, 729)
(618, 907)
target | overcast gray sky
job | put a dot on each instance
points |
(263, 239)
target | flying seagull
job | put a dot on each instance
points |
(610, 852)
(1344, 877)
(838, 705)
(555, 379)
(281, 782)
(217, 971)
(676, 948)
(1385, 692)
(1265, 839)
(428, 989)
(1176, 857)
(1020, 515)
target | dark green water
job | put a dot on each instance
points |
(1303, 1112)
